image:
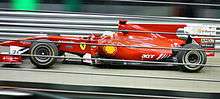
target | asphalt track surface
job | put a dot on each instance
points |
(151, 77)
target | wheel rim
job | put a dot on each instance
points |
(42, 50)
(193, 57)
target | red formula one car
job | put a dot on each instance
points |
(149, 37)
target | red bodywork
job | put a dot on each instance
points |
(134, 38)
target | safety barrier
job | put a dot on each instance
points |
(42, 21)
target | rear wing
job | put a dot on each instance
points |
(203, 36)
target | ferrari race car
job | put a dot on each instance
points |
(140, 42)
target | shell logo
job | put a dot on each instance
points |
(110, 49)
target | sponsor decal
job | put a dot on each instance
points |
(161, 56)
(93, 46)
(110, 49)
(68, 46)
(208, 43)
(202, 30)
(147, 56)
(16, 50)
(82, 45)
(207, 40)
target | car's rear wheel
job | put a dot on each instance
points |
(191, 57)
(47, 49)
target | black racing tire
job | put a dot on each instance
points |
(191, 56)
(43, 49)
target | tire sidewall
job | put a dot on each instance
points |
(51, 47)
(182, 55)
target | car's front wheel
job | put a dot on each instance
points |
(191, 57)
(46, 49)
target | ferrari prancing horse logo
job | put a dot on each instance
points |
(82, 45)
